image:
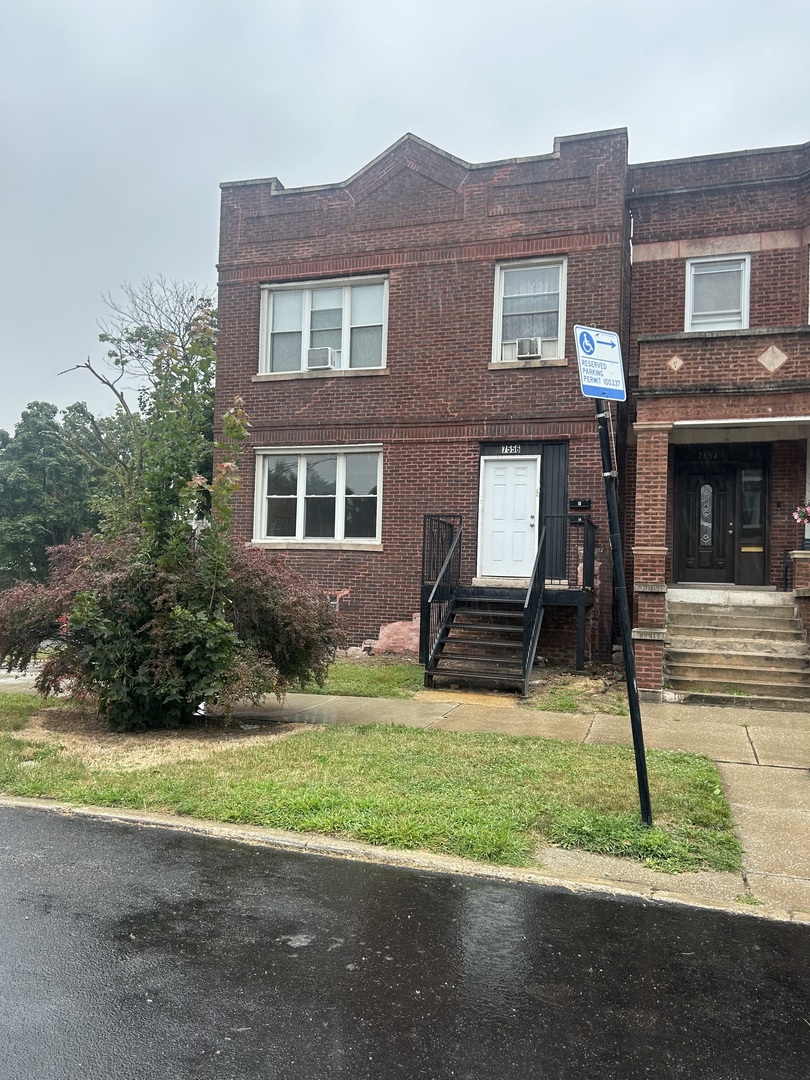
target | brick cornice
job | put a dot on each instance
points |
(716, 389)
(364, 262)
(396, 432)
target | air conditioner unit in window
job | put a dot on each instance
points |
(323, 357)
(508, 351)
(528, 347)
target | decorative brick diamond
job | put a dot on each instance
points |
(772, 359)
(676, 363)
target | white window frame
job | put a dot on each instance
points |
(497, 324)
(745, 288)
(263, 454)
(308, 287)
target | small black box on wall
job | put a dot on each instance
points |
(579, 504)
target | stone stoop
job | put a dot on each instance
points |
(736, 646)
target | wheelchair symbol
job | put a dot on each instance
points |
(586, 343)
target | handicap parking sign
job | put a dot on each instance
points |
(599, 355)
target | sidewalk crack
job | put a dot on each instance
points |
(751, 743)
(444, 716)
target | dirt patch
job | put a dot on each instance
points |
(499, 699)
(599, 690)
(85, 735)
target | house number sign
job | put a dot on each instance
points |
(510, 448)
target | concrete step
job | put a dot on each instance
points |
(697, 674)
(736, 688)
(733, 633)
(738, 701)
(745, 610)
(800, 661)
(747, 646)
(733, 619)
(726, 595)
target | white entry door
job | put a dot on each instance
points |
(509, 510)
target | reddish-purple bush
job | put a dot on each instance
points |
(146, 640)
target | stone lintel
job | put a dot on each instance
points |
(645, 633)
(652, 425)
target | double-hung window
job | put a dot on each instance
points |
(318, 495)
(318, 326)
(717, 293)
(529, 311)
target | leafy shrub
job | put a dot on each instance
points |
(136, 637)
(151, 620)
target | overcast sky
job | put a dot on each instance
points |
(119, 118)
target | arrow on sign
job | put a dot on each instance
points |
(610, 342)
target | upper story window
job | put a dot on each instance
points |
(316, 326)
(529, 311)
(717, 293)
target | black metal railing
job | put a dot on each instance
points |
(533, 610)
(441, 573)
(570, 550)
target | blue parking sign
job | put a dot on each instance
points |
(599, 355)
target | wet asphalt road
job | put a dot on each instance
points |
(132, 952)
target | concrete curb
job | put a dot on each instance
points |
(314, 844)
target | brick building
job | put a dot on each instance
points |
(403, 342)
(720, 365)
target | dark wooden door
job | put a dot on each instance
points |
(705, 522)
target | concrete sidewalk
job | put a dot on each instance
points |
(763, 758)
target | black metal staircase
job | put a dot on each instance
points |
(476, 635)
(481, 642)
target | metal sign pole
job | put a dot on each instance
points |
(620, 587)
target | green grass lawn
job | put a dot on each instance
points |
(479, 796)
(372, 677)
(16, 708)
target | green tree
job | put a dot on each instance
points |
(161, 611)
(161, 341)
(47, 488)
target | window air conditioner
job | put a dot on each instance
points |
(323, 357)
(509, 351)
(528, 347)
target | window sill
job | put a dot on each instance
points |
(499, 365)
(326, 373)
(317, 545)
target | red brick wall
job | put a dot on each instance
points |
(753, 202)
(424, 474)
(712, 363)
(759, 196)
(788, 467)
(437, 228)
